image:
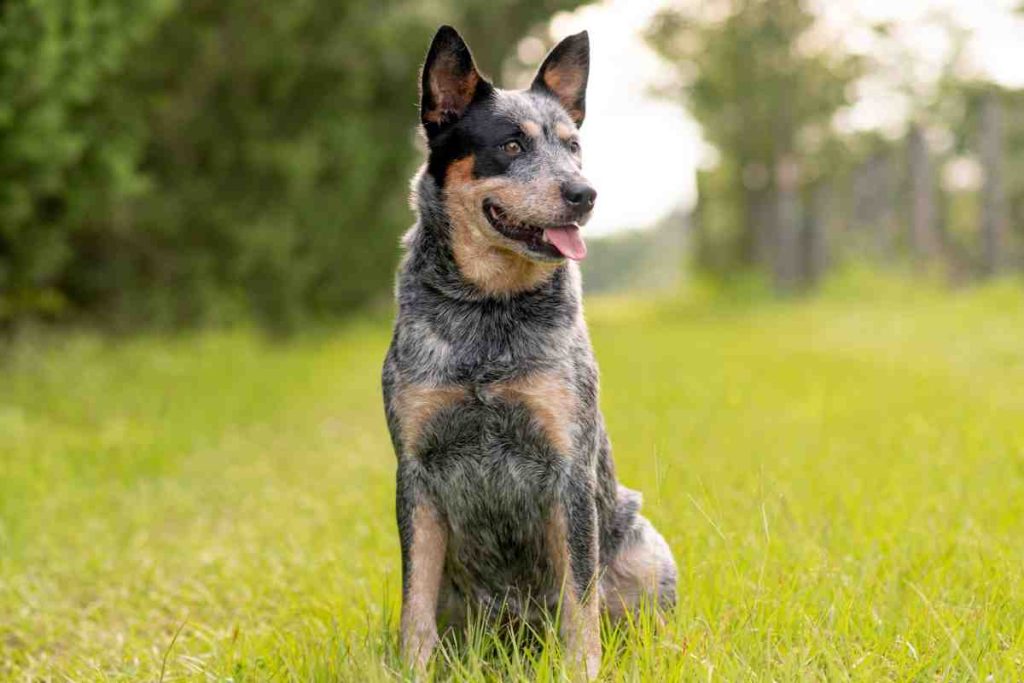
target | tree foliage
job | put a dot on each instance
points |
(61, 162)
(166, 162)
(764, 84)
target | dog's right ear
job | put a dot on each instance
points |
(564, 75)
(450, 81)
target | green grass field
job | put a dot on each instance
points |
(842, 481)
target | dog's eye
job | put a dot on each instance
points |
(512, 148)
(574, 146)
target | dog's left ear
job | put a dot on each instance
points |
(450, 81)
(564, 74)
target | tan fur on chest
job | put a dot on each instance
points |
(551, 402)
(418, 403)
(547, 396)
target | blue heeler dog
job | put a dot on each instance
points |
(507, 497)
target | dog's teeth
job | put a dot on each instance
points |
(544, 237)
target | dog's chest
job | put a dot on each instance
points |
(491, 408)
(498, 479)
(470, 393)
(495, 457)
(525, 425)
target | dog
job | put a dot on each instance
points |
(507, 500)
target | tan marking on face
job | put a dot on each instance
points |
(551, 402)
(460, 171)
(580, 614)
(563, 131)
(419, 605)
(418, 403)
(489, 260)
(532, 128)
(496, 270)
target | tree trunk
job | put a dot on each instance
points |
(787, 228)
(994, 214)
(761, 224)
(701, 254)
(816, 232)
(923, 234)
(885, 193)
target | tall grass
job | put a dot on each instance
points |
(842, 481)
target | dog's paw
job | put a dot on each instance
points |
(417, 647)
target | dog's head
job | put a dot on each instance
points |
(509, 162)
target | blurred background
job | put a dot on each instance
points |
(807, 302)
(167, 163)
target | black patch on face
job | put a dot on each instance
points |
(481, 133)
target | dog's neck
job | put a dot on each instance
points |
(465, 334)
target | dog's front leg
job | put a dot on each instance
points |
(424, 539)
(574, 542)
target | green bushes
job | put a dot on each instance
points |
(166, 163)
(62, 162)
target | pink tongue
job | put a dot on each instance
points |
(567, 240)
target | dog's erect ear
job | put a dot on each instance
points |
(450, 81)
(564, 74)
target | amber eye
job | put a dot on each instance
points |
(512, 148)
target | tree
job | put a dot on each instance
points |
(59, 161)
(763, 86)
(994, 208)
(168, 163)
(924, 238)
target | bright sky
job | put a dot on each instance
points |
(641, 152)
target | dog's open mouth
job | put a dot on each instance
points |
(555, 241)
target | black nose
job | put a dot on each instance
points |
(579, 196)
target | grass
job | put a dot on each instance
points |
(842, 481)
